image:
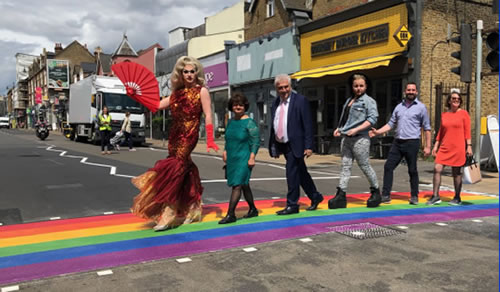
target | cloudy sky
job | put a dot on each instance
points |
(28, 26)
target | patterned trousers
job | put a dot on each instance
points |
(358, 148)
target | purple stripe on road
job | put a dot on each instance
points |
(47, 269)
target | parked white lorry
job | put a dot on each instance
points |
(89, 96)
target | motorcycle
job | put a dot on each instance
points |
(41, 130)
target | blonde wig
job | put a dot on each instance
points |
(176, 78)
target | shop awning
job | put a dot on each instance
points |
(364, 64)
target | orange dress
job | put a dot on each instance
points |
(173, 186)
(452, 135)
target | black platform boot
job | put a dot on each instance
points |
(375, 199)
(339, 201)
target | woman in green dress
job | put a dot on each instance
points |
(242, 144)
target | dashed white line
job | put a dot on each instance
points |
(402, 227)
(307, 239)
(105, 273)
(441, 224)
(477, 220)
(55, 218)
(108, 213)
(183, 260)
(112, 169)
(249, 249)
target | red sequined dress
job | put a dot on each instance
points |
(170, 192)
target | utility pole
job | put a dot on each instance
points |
(479, 63)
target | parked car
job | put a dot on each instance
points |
(4, 122)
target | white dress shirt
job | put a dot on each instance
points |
(285, 120)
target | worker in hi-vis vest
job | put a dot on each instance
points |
(105, 129)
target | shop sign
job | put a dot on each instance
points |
(402, 35)
(58, 74)
(216, 75)
(351, 40)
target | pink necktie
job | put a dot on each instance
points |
(281, 121)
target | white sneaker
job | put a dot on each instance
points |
(118, 147)
(133, 149)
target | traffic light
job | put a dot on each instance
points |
(492, 57)
(465, 53)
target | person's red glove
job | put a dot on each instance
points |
(210, 138)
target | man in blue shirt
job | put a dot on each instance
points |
(409, 117)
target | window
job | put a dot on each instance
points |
(270, 8)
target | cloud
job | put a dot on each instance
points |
(28, 26)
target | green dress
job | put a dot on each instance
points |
(242, 138)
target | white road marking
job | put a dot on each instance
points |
(55, 218)
(108, 213)
(272, 179)
(1, 224)
(307, 239)
(441, 224)
(105, 273)
(113, 169)
(477, 220)
(274, 198)
(56, 162)
(64, 186)
(402, 227)
(249, 249)
(10, 288)
(184, 260)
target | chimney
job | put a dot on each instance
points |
(58, 48)
(97, 51)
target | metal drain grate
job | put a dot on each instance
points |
(365, 230)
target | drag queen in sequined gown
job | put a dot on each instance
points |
(170, 192)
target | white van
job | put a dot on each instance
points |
(4, 122)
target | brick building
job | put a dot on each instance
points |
(390, 62)
(54, 98)
(266, 16)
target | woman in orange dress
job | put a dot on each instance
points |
(171, 190)
(453, 142)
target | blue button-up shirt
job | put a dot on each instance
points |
(409, 119)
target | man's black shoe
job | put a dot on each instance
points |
(315, 203)
(288, 210)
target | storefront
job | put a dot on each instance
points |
(372, 39)
(215, 68)
(253, 66)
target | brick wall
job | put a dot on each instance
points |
(326, 7)
(257, 24)
(437, 14)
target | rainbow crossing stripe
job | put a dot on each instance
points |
(44, 249)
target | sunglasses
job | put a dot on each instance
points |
(188, 71)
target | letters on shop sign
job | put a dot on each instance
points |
(355, 39)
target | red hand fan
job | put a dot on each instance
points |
(140, 83)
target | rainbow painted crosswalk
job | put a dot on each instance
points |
(44, 249)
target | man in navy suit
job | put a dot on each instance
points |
(291, 135)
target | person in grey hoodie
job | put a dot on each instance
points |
(359, 115)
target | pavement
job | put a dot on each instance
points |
(488, 185)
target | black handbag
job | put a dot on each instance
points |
(469, 160)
